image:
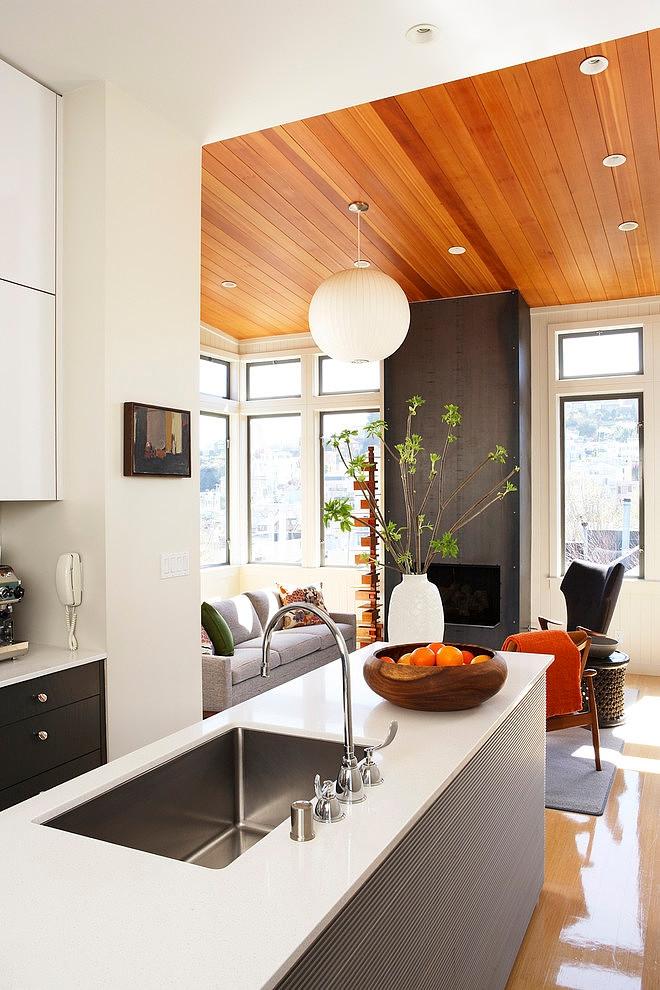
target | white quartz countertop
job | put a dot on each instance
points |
(41, 660)
(77, 912)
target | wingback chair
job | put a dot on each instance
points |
(591, 592)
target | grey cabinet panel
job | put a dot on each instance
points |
(448, 907)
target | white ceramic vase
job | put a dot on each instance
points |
(416, 614)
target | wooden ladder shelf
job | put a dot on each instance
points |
(367, 593)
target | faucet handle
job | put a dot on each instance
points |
(391, 733)
(327, 807)
(368, 767)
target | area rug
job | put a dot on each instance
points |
(572, 782)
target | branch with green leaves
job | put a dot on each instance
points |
(414, 545)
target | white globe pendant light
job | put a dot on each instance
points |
(359, 314)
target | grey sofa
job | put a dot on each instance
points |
(227, 681)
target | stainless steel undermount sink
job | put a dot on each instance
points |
(211, 804)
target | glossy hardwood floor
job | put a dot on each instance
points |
(597, 923)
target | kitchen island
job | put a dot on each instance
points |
(428, 883)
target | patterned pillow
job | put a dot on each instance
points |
(207, 645)
(311, 595)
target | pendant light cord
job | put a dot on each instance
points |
(359, 253)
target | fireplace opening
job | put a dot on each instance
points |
(470, 592)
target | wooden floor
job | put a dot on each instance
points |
(597, 923)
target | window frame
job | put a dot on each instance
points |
(604, 332)
(228, 479)
(227, 365)
(600, 396)
(271, 398)
(321, 491)
(321, 358)
(248, 447)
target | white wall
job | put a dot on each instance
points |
(638, 613)
(338, 582)
(152, 312)
(130, 331)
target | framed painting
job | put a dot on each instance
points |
(156, 441)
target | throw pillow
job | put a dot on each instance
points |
(310, 594)
(219, 632)
(207, 645)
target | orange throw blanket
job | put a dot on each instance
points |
(563, 695)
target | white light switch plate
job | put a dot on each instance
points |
(174, 564)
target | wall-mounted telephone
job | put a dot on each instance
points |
(68, 581)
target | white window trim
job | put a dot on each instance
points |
(309, 405)
(644, 384)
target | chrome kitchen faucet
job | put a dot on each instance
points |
(350, 788)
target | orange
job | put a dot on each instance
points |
(449, 656)
(481, 658)
(386, 660)
(406, 658)
(467, 656)
(423, 656)
(435, 646)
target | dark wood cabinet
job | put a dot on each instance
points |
(52, 728)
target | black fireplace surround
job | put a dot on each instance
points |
(474, 351)
(470, 593)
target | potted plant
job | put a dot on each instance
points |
(415, 613)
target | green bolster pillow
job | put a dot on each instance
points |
(218, 631)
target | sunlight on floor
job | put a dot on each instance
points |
(642, 725)
(621, 760)
(586, 978)
(595, 927)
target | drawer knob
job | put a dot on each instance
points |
(42, 735)
(42, 697)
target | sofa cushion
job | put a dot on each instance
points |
(265, 602)
(240, 616)
(348, 632)
(246, 663)
(322, 634)
(289, 647)
(218, 631)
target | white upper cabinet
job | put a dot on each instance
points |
(28, 158)
(27, 386)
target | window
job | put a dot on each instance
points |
(214, 377)
(337, 377)
(273, 379)
(214, 488)
(601, 353)
(601, 454)
(275, 492)
(339, 549)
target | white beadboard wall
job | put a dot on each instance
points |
(338, 582)
(638, 612)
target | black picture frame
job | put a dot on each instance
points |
(156, 441)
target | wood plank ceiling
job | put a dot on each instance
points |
(508, 164)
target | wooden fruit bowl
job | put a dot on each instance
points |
(434, 689)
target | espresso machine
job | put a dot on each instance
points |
(11, 592)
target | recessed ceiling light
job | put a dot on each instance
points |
(456, 249)
(628, 225)
(613, 161)
(422, 34)
(594, 64)
(228, 284)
